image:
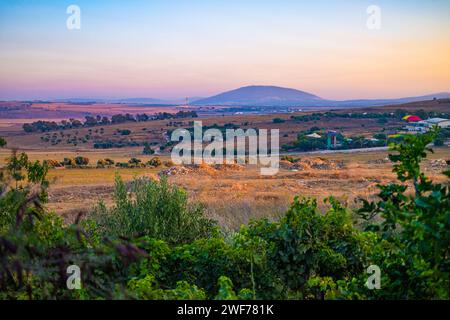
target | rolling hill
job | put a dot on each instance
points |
(263, 96)
(260, 96)
(272, 96)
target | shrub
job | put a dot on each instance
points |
(155, 209)
(203, 261)
(380, 136)
(52, 163)
(68, 162)
(305, 143)
(154, 162)
(101, 163)
(169, 163)
(109, 161)
(134, 162)
(81, 161)
(148, 289)
(122, 165)
(288, 158)
(147, 150)
(305, 244)
(125, 132)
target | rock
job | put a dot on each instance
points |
(438, 164)
(173, 171)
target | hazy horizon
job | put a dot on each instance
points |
(181, 99)
(169, 50)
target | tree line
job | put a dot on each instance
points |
(91, 121)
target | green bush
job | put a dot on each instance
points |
(147, 150)
(154, 162)
(155, 209)
(81, 161)
(413, 227)
(134, 162)
(125, 132)
(306, 243)
(148, 289)
(288, 158)
(68, 162)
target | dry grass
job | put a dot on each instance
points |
(118, 155)
(234, 196)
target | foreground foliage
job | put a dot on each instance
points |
(151, 244)
(154, 209)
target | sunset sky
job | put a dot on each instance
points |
(177, 48)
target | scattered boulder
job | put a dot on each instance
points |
(174, 171)
(284, 164)
(312, 163)
(438, 164)
(229, 167)
(379, 161)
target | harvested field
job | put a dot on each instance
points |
(233, 195)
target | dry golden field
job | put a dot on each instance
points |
(234, 195)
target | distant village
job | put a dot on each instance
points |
(416, 124)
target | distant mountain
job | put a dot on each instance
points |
(271, 96)
(439, 95)
(141, 100)
(146, 101)
(260, 96)
(379, 102)
(78, 100)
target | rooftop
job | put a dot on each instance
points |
(436, 120)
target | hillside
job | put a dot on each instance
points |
(272, 96)
(260, 96)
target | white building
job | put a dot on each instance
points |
(440, 122)
(425, 125)
(314, 135)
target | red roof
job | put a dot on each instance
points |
(413, 119)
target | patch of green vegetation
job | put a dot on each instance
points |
(153, 244)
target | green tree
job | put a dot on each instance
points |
(154, 162)
(148, 150)
(16, 165)
(413, 251)
(411, 151)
